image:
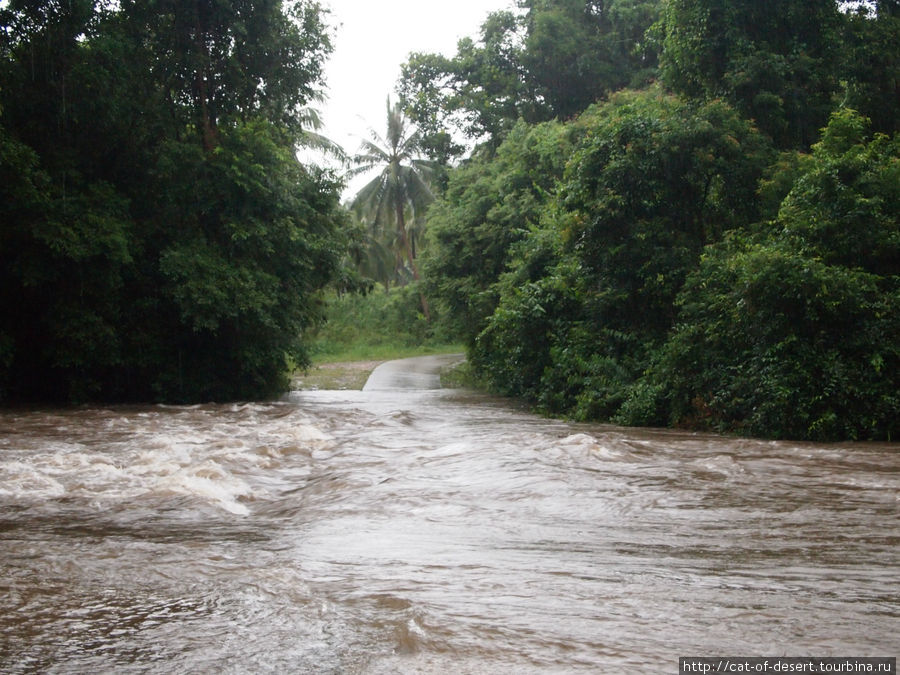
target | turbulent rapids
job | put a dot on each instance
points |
(407, 528)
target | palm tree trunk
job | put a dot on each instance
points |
(404, 241)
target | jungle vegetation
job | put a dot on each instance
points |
(674, 213)
(649, 212)
(159, 240)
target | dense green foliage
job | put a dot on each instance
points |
(158, 238)
(377, 325)
(715, 251)
(871, 65)
(795, 332)
(489, 205)
(551, 58)
(392, 204)
(652, 180)
(774, 61)
(676, 212)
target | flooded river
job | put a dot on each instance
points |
(405, 529)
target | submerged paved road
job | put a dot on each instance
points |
(422, 372)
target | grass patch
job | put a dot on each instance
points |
(459, 376)
(381, 352)
(338, 375)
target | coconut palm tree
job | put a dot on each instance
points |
(395, 200)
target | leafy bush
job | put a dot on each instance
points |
(159, 239)
(514, 351)
(490, 204)
(797, 333)
(772, 343)
(590, 293)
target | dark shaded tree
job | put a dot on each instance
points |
(549, 59)
(490, 204)
(794, 333)
(776, 62)
(653, 180)
(159, 238)
(578, 52)
(871, 65)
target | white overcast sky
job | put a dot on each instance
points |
(372, 39)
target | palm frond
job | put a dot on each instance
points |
(316, 141)
(400, 192)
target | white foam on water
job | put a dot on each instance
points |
(305, 433)
(725, 465)
(222, 464)
(300, 439)
(212, 483)
(590, 446)
(20, 478)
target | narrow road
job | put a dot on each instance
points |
(422, 372)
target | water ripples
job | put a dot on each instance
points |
(427, 531)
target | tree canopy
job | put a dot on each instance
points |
(160, 240)
(714, 250)
(794, 333)
(776, 61)
(543, 59)
(677, 212)
(394, 201)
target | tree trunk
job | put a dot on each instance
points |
(404, 240)
(201, 87)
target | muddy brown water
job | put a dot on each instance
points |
(418, 530)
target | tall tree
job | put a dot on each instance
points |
(480, 92)
(158, 237)
(796, 333)
(489, 205)
(577, 52)
(872, 64)
(230, 61)
(395, 200)
(653, 178)
(775, 61)
(551, 58)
